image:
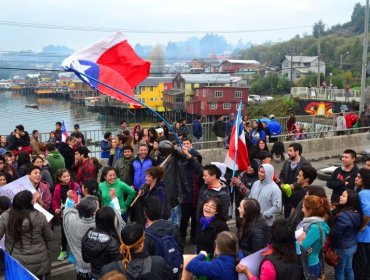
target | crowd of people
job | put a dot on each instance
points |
(122, 225)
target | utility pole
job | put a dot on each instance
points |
(318, 61)
(291, 67)
(364, 59)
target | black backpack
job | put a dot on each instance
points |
(167, 247)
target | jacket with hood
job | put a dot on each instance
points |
(105, 146)
(142, 267)
(274, 127)
(197, 129)
(56, 162)
(75, 228)
(34, 253)
(99, 249)
(268, 194)
(344, 230)
(161, 228)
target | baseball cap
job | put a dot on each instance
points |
(272, 116)
(76, 125)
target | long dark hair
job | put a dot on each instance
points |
(283, 240)
(105, 172)
(23, 159)
(21, 209)
(353, 202)
(278, 149)
(104, 220)
(252, 211)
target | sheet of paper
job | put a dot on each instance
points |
(253, 263)
(48, 216)
(298, 233)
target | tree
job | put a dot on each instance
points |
(318, 29)
(283, 85)
(157, 58)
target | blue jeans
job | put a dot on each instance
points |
(344, 268)
(176, 216)
(315, 270)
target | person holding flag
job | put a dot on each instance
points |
(64, 132)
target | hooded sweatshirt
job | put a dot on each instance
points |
(56, 162)
(268, 194)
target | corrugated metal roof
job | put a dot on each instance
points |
(154, 81)
(241, 61)
(301, 58)
(206, 78)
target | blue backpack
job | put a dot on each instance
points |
(168, 249)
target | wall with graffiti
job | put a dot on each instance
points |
(322, 108)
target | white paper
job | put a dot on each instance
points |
(298, 233)
(39, 208)
(253, 263)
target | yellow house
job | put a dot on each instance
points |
(150, 92)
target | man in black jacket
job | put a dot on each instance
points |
(212, 185)
(19, 140)
(344, 176)
(219, 129)
(67, 151)
(289, 172)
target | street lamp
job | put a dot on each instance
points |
(341, 59)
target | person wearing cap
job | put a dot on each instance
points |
(274, 128)
(136, 263)
(80, 134)
(163, 127)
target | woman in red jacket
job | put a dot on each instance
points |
(59, 200)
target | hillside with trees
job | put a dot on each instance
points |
(341, 49)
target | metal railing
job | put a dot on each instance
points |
(314, 126)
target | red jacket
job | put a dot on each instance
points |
(85, 171)
(57, 191)
(44, 189)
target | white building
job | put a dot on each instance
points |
(299, 66)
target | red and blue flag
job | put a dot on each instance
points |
(111, 61)
(237, 157)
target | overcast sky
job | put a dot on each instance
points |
(163, 15)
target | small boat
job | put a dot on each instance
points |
(36, 106)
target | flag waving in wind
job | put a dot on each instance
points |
(111, 61)
(237, 157)
(64, 131)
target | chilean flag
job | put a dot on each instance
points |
(64, 131)
(237, 157)
(111, 61)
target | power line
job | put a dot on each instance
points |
(145, 31)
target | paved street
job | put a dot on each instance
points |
(65, 271)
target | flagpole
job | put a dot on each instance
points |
(133, 99)
(236, 139)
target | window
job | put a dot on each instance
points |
(218, 93)
(286, 64)
(142, 89)
(204, 93)
(197, 92)
(142, 100)
(202, 105)
(227, 106)
(298, 75)
(153, 99)
(238, 94)
(151, 88)
(213, 106)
